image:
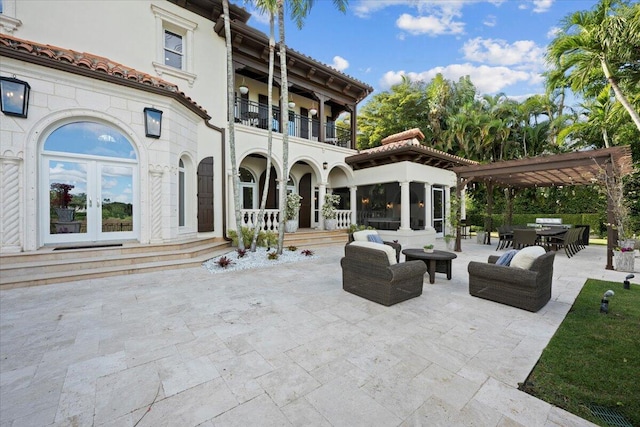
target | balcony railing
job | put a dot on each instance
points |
(254, 114)
(250, 219)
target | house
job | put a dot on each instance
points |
(125, 103)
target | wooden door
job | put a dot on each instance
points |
(205, 195)
(305, 204)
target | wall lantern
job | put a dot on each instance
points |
(389, 205)
(152, 122)
(14, 97)
(325, 165)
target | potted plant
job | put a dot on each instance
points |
(450, 241)
(428, 248)
(291, 210)
(329, 211)
(624, 258)
(61, 201)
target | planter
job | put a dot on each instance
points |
(624, 260)
(291, 225)
(429, 251)
(480, 236)
(65, 214)
(451, 244)
(330, 224)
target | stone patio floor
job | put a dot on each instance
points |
(277, 346)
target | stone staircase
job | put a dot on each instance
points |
(55, 265)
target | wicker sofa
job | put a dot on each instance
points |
(527, 289)
(368, 273)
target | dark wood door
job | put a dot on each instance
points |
(205, 194)
(272, 203)
(305, 204)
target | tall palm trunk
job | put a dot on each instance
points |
(267, 180)
(232, 129)
(284, 109)
(619, 95)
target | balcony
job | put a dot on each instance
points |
(255, 114)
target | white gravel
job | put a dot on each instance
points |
(256, 259)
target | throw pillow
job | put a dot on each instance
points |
(391, 253)
(525, 257)
(375, 238)
(505, 258)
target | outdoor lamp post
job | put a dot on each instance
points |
(152, 122)
(14, 97)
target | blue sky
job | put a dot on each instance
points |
(499, 43)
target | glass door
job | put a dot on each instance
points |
(114, 201)
(438, 210)
(66, 210)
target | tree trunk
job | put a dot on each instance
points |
(284, 108)
(619, 95)
(230, 116)
(265, 191)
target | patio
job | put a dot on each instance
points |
(282, 345)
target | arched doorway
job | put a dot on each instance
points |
(205, 195)
(89, 185)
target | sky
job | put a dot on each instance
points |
(500, 44)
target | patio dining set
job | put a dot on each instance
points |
(571, 240)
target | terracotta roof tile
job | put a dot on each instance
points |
(94, 63)
(405, 135)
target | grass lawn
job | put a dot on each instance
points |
(594, 358)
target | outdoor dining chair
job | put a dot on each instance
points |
(523, 238)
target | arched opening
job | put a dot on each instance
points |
(89, 184)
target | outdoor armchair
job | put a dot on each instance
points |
(361, 236)
(529, 289)
(369, 272)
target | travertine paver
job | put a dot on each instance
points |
(282, 345)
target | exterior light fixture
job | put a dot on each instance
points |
(152, 122)
(313, 110)
(389, 205)
(626, 284)
(291, 103)
(325, 165)
(14, 97)
(604, 303)
(244, 89)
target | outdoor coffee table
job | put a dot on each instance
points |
(437, 261)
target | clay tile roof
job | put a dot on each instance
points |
(403, 136)
(91, 65)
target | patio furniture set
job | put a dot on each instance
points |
(371, 270)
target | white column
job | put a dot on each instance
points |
(156, 205)
(322, 190)
(353, 202)
(463, 203)
(428, 207)
(405, 207)
(10, 230)
(447, 211)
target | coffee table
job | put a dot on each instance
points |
(436, 261)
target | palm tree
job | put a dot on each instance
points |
(603, 38)
(299, 10)
(230, 118)
(268, 6)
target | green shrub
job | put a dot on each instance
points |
(247, 237)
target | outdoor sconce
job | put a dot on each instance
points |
(14, 97)
(152, 122)
(365, 200)
(421, 204)
(325, 165)
(626, 283)
(389, 205)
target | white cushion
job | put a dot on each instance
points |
(361, 236)
(525, 257)
(391, 253)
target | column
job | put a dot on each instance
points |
(463, 202)
(428, 207)
(10, 236)
(405, 206)
(353, 202)
(447, 211)
(322, 190)
(156, 205)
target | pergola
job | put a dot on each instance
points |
(577, 168)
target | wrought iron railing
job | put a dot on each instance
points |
(251, 113)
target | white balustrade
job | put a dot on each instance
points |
(250, 218)
(344, 218)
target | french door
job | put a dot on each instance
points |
(101, 203)
(438, 210)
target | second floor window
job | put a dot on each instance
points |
(173, 49)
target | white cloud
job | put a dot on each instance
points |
(365, 8)
(499, 52)
(553, 32)
(487, 79)
(432, 25)
(490, 21)
(260, 18)
(339, 63)
(541, 6)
